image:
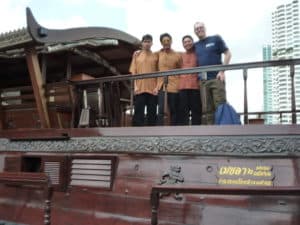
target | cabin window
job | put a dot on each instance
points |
(31, 164)
(96, 172)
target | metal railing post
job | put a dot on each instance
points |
(293, 98)
(245, 76)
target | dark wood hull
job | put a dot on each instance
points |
(128, 202)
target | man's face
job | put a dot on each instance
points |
(166, 42)
(188, 43)
(200, 30)
(146, 44)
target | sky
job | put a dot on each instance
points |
(245, 25)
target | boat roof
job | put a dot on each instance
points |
(97, 51)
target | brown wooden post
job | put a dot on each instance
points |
(154, 198)
(1, 118)
(37, 85)
(48, 190)
(69, 67)
(1, 114)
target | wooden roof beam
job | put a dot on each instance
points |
(1, 114)
(96, 58)
(37, 85)
(101, 61)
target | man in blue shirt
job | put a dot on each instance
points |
(209, 50)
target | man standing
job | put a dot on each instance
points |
(168, 59)
(189, 93)
(209, 50)
(144, 62)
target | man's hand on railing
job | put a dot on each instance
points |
(221, 76)
(155, 91)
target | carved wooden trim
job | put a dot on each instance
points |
(198, 145)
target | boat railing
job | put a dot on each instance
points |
(82, 86)
(107, 107)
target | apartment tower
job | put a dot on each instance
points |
(285, 45)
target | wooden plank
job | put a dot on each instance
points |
(96, 167)
(23, 88)
(50, 86)
(89, 183)
(91, 161)
(37, 84)
(204, 131)
(230, 190)
(25, 97)
(91, 172)
(91, 177)
(25, 106)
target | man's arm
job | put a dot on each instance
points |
(227, 57)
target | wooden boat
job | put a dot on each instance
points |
(69, 156)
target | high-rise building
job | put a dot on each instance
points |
(268, 86)
(285, 45)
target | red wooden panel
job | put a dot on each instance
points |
(13, 163)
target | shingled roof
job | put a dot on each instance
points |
(15, 39)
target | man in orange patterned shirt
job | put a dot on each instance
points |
(144, 89)
(189, 92)
(168, 59)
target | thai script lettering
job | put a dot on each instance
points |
(259, 175)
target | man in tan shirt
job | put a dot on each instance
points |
(189, 92)
(144, 89)
(168, 59)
